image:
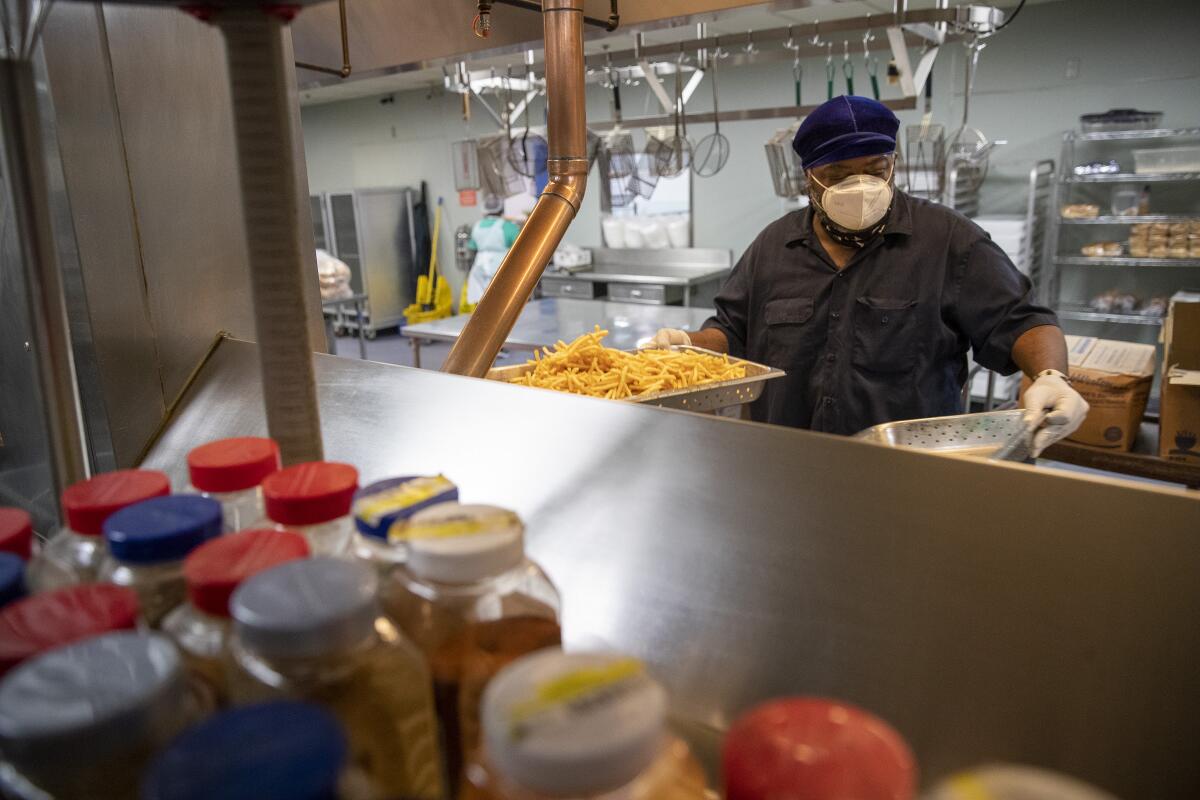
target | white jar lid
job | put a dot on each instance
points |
(306, 608)
(453, 543)
(572, 724)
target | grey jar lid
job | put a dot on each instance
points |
(91, 698)
(306, 608)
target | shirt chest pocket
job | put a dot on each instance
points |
(885, 334)
(790, 330)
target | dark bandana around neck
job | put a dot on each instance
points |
(846, 238)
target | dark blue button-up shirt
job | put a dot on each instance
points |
(884, 338)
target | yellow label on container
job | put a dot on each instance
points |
(374, 507)
(451, 527)
(572, 689)
(967, 786)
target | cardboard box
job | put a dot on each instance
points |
(1179, 422)
(1115, 378)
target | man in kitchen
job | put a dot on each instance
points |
(870, 299)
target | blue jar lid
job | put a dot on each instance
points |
(12, 578)
(272, 751)
(162, 528)
(380, 505)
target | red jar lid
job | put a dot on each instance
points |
(310, 493)
(818, 749)
(215, 569)
(16, 532)
(88, 503)
(231, 465)
(37, 623)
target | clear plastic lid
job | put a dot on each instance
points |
(271, 751)
(232, 465)
(216, 568)
(452, 543)
(88, 503)
(44, 621)
(572, 724)
(307, 608)
(162, 528)
(12, 578)
(380, 505)
(91, 698)
(815, 748)
(16, 532)
(310, 493)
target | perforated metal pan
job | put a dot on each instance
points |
(704, 397)
(979, 435)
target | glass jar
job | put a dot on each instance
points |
(42, 622)
(147, 543)
(84, 720)
(305, 760)
(12, 578)
(311, 630)
(579, 725)
(200, 627)
(381, 505)
(74, 554)
(471, 600)
(848, 753)
(16, 532)
(314, 499)
(231, 471)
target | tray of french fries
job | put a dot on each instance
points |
(683, 377)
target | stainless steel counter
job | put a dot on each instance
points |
(544, 322)
(990, 612)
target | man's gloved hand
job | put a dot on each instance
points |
(666, 337)
(1063, 406)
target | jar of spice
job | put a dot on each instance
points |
(312, 630)
(83, 720)
(314, 499)
(224, 757)
(201, 626)
(576, 726)
(471, 600)
(231, 472)
(16, 532)
(147, 543)
(74, 554)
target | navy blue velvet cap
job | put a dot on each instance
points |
(843, 128)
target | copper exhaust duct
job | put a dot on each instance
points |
(567, 164)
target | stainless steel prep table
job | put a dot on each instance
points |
(544, 322)
(689, 276)
(990, 612)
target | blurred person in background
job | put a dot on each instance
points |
(490, 239)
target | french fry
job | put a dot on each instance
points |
(585, 366)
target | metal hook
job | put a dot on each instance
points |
(828, 54)
(815, 39)
(791, 43)
(750, 49)
(718, 51)
(845, 49)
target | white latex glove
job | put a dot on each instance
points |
(668, 337)
(1063, 406)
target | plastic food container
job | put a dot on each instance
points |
(74, 554)
(848, 753)
(472, 602)
(224, 756)
(148, 542)
(384, 503)
(16, 532)
(314, 499)
(312, 630)
(1167, 160)
(45, 621)
(614, 231)
(213, 571)
(580, 725)
(90, 715)
(230, 471)
(1120, 119)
